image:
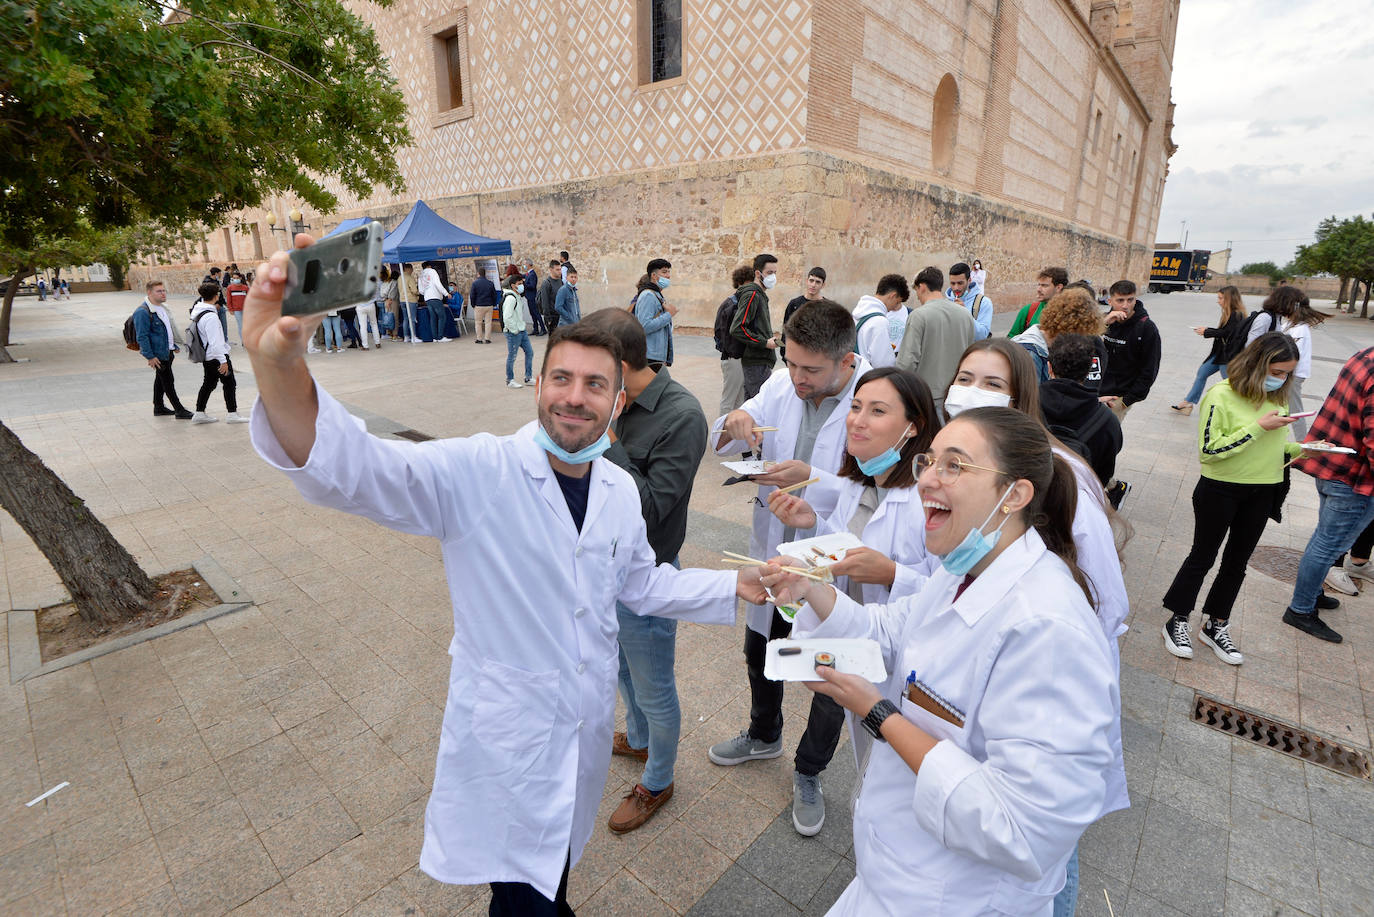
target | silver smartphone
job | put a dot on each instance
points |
(334, 273)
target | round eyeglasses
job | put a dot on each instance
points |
(947, 467)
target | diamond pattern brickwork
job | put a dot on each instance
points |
(570, 74)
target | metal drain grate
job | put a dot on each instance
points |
(414, 436)
(1290, 740)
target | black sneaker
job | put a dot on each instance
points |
(1117, 492)
(163, 412)
(1217, 635)
(1311, 624)
(1327, 602)
(1176, 639)
(183, 414)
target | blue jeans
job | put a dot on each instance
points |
(1203, 372)
(653, 719)
(514, 342)
(409, 313)
(1342, 514)
(1067, 900)
(333, 328)
(437, 313)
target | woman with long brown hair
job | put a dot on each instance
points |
(1226, 343)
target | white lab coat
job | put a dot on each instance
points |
(777, 405)
(988, 824)
(1097, 558)
(875, 337)
(526, 739)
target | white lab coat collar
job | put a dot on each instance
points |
(992, 585)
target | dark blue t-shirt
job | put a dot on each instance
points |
(575, 491)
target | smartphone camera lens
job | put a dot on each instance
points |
(343, 265)
(359, 236)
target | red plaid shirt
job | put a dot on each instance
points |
(1346, 418)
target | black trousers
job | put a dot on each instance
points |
(213, 378)
(164, 384)
(521, 899)
(1362, 547)
(551, 321)
(1235, 513)
(823, 725)
(755, 374)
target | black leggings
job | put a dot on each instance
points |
(1236, 514)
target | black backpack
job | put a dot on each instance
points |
(725, 342)
(131, 332)
(1076, 439)
(1236, 343)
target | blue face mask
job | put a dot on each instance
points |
(581, 456)
(663, 282)
(975, 545)
(1273, 383)
(883, 461)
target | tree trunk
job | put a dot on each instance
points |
(8, 306)
(1341, 298)
(1364, 309)
(103, 579)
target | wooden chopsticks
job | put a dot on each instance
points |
(743, 560)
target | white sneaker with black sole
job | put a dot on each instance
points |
(1176, 639)
(1217, 635)
(202, 417)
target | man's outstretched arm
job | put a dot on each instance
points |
(276, 346)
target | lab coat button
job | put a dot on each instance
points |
(581, 667)
(580, 724)
(579, 612)
(578, 552)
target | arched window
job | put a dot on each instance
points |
(944, 125)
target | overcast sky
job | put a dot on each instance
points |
(1274, 123)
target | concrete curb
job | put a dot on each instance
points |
(26, 661)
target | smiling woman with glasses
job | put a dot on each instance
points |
(994, 731)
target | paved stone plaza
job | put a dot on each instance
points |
(277, 760)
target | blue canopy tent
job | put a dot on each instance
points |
(425, 236)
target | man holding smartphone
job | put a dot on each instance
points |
(526, 741)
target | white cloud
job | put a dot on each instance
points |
(1272, 116)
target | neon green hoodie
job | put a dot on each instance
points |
(1231, 444)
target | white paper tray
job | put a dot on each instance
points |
(835, 543)
(750, 467)
(853, 656)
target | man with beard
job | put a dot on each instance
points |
(526, 740)
(808, 407)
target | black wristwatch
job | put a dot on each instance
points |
(874, 721)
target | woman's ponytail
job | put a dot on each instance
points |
(1054, 522)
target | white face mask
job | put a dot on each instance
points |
(963, 397)
(770, 281)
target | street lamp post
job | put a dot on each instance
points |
(272, 226)
(298, 223)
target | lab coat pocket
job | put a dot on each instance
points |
(933, 725)
(513, 711)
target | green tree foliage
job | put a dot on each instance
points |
(1267, 268)
(1344, 248)
(125, 113)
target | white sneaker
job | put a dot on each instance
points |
(1338, 580)
(202, 417)
(313, 349)
(445, 340)
(1176, 638)
(235, 417)
(513, 384)
(1359, 571)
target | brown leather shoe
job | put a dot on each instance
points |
(638, 807)
(620, 745)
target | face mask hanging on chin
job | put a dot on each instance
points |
(885, 460)
(976, 545)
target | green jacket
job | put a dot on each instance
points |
(753, 326)
(1024, 318)
(1231, 444)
